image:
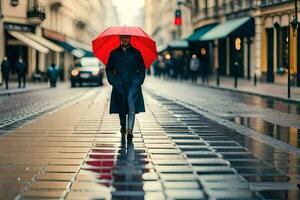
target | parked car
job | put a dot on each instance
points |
(87, 70)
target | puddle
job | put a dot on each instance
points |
(289, 135)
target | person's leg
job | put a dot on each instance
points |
(24, 80)
(131, 112)
(122, 117)
(19, 79)
(122, 114)
(6, 81)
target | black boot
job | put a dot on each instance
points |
(123, 130)
(129, 134)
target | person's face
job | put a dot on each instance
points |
(125, 40)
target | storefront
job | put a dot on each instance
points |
(203, 49)
(279, 49)
(17, 46)
(35, 50)
(71, 50)
(224, 38)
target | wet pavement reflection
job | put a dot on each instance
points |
(176, 154)
(290, 135)
(265, 102)
(272, 173)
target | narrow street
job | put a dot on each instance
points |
(149, 100)
(180, 150)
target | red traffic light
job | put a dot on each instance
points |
(178, 19)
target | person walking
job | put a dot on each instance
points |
(125, 71)
(5, 67)
(161, 66)
(194, 67)
(52, 73)
(21, 70)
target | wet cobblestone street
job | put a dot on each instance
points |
(77, 152)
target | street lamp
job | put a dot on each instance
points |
(295, 22)
(237, 46)
(288, 65)
(295, 25)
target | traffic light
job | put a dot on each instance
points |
(178, 19)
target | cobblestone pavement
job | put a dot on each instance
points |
(266, 116)
(76, 152)
(19, 108)
(30, 86)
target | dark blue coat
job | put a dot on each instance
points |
(126, 73)
(52, 73)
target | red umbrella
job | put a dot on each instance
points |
(109, 40)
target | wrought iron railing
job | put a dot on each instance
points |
(34, 10)
(226, 8)
(273, 2)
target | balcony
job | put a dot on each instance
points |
(36, 14)
(265, 3)
(228, 8)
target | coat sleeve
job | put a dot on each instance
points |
(110, 67)
(141, 68)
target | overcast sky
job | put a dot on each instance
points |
(129, 11)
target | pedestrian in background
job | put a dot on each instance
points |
(21, 70)
(52, 73)
(5, 67)
(161, 66)
(204, 71)
(194, 67)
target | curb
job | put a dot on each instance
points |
(284, 99)
(257, 94)
(21, 91)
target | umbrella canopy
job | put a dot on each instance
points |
(109, 40)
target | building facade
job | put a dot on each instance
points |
(278, 42)
(251, 38)
(42, 32)
(159, 21)
(268, 52)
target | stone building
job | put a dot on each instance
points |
(45, 31)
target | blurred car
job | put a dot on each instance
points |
(87, 70)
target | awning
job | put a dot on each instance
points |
(242, 26)
(178, 44)
(45, 42)
(79, 45)
(27, 40)
(199, 32)
(88, 53)
(161, 49)
(75, 51)
(84, 47)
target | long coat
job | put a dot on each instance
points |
(21, 68)
(52, 73)
(5, 65)
(126, 73)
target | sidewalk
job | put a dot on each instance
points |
(30, 86)
(262, 89)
